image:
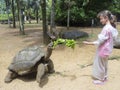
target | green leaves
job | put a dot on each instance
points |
(82, 12)
(67, 42)
(85, 2)
(70, 43)
(58, 41)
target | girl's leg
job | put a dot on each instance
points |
(100, 70)
(106, 70)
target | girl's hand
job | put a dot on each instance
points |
(85, 42)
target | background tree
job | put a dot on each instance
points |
(52, 20)
(68, 4)
(36, 7)
(115, 8)
(45, 25)
(8, 3)
(63, 12)
(20, 7)
(13, 12)
(81, 13)
(28, 10)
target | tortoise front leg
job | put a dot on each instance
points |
(10, 76)
(50, 66)
(40, 72)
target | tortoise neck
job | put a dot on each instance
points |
(49, 51)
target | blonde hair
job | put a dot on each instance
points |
(111, 17)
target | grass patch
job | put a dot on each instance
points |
(114, 58)
(110, 58)
(92, 36)
(84, 66)
(80, 40)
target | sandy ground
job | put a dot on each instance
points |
(68, 64)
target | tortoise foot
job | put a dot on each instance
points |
(8, 80)
(10, 76)
(52, 71)
(50, 66)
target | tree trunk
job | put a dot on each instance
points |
(21, 22)
(52, 22)
(13, 12)
(53, 34)
(45, 26)
(36, 15)
(68, 17)
(8, 18)
(29, 19)
(28, 12)
(7, 9)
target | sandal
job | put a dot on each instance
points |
(98, 82)
(106, 79)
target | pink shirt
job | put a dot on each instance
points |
(105, 40)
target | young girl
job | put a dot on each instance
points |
(104, 46)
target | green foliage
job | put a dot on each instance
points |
(67, 42)
(70, 43)
(115, 7)
(5, 16)
(85, 2)
(2, 6)
(83, 11)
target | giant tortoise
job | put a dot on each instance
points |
(117, 43)
(31, 59)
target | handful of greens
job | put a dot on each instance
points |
(68, 42)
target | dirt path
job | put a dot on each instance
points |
(69, 74)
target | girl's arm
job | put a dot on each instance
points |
(101, 39)
(88, 43)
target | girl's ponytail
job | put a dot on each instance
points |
(113, 20)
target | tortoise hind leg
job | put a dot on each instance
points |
(50, 66)
(40, 72)
(10, 76)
